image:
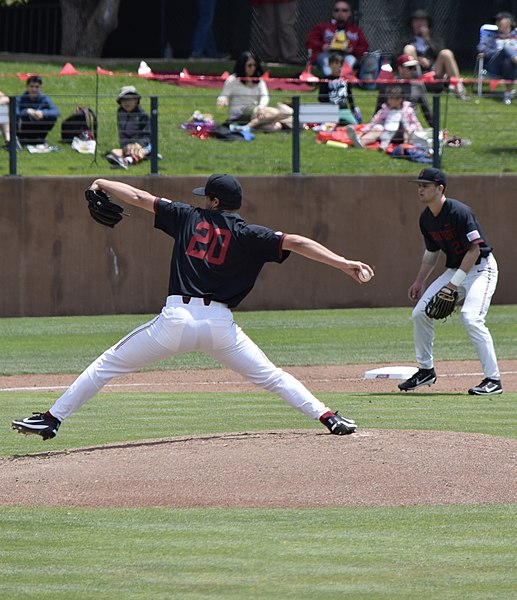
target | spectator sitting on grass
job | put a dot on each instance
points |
(338, 91)
(430, 52)
(4, 125)
(338, 34)
(134, 130)
(414, 90)
(500, 51)
(36, 113)
(244, 90)
(392, 124)
(247, 98)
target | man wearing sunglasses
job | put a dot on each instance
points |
(336, 35)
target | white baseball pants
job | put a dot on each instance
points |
(182, 328)
(477, 290)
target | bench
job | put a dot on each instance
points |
(320, 112)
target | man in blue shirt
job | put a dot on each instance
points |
(35, 112)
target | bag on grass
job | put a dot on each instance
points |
(83, 120)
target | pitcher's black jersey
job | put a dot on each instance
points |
(453, 231)
(216, 255)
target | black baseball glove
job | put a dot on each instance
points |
(102, 209)
(442, 304)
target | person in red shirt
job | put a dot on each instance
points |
(337, 35)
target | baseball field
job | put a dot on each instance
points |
(183, 481)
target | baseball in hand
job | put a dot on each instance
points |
(364, 275)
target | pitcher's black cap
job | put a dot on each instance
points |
(225, 187)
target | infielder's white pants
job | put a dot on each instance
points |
(187, 328)
(477, 290)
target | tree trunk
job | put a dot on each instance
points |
(86, 25)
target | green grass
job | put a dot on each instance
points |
(157, 415)
(408, 553)
(304, 337)
(484, 123)
(403, 553)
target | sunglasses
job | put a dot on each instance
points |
(345, 10)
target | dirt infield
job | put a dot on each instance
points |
(299, 468)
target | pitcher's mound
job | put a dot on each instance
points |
(302, 468)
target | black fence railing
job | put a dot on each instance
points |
(34, 28)
(14, 145)
(303, 113)
(475, 136)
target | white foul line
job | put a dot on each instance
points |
(202, 383)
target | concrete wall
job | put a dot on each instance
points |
(55, 260)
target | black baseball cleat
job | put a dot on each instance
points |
(337, 424)
(421, 377)
(43, 424)
(488, 387)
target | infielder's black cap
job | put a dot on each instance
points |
(225, 187)
(431, 176)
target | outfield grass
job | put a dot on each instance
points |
(304, 337)
(484, 123)
(408, 553)
(404, 553)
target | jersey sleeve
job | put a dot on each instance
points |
(469, 230)
(170, 215)
(266, 243)
(473, 234)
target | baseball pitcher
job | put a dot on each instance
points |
(216, 259)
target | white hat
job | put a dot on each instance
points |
(128, 91)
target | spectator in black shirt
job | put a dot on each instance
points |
(338, 91)
(134, 130)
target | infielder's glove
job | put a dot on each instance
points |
(102, 209)
(442, 304)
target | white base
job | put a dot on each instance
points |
(390, 373)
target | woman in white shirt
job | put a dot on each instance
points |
(243, 90)
(247, 98)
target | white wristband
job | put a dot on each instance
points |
(458, 277)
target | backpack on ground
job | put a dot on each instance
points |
(83, 120)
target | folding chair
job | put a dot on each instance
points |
(4, 114)
(481, 72)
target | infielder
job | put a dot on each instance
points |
(471, 274)
(216, 259)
